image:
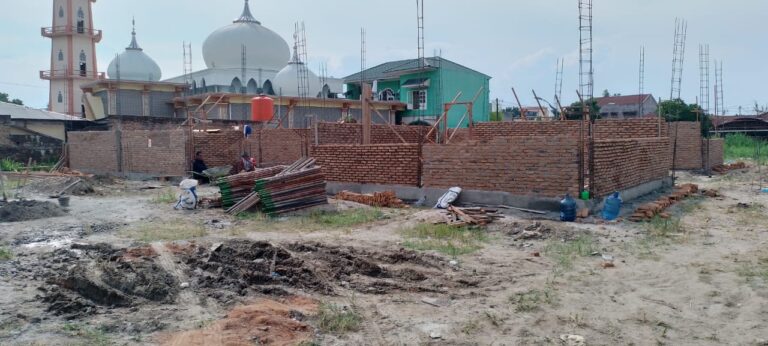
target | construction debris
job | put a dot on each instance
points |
(459, 217)
(650, 210)
(386, 199)
(723, 169)
(236, 187)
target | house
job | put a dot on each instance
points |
(425, 88)
(33, 133)
(627, 106)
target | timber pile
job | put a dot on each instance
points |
(236, 187)
(471, 216)
(723, 169)
(386, 199)
(210, 202)
(650, 210)
(299, 186)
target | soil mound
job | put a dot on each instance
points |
(87, 277)
(240, 265)
(17, 211)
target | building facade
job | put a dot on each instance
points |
(629, 106)
(425, 88)
(73, 55)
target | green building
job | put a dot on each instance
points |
(425, 88)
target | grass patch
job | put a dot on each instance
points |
(664, 228)
(449, 240)
(565, 252)
(347, 218)
(259, 222)
(739, 146)
(471, 327)
(532, 300)
(166, 231)
(5, 253)
(89, 335)
(332, 318)
(755, 271)
(8, 165)
(165, 196)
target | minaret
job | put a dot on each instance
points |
(73, 54)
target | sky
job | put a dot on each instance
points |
(516, 42)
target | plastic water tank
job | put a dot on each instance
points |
(612, 207)
(568, 209)
(262, 108)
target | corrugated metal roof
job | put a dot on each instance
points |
(393, 69)
(26, 113)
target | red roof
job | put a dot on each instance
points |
(627, 100)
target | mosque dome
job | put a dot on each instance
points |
(287, 80)
(134, 64)
(264, 48)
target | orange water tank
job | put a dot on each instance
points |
(262, 108)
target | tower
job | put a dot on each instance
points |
(73, 54)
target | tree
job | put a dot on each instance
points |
(5, 98)
(606, 93)
(678, 110)
(576, 110)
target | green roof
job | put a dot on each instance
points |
(394, 69)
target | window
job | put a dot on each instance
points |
(61, 12)
(419, 98)
(387, 95)
(60, 98)
(82, 56)
(80, 21)
(630, 114)
(61, 55)
(268, 89)
(80, 13)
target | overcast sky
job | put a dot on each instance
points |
(516, 42)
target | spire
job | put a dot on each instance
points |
(134, 45)
(246, 17)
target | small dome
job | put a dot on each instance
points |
(287, 80)
(265, 49)
(134, 64)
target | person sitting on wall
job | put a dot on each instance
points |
(198, 166)
(244, 164)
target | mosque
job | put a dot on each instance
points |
(243, 59)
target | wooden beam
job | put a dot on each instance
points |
(445, 113)
(366, 104)
(390, 125)
(538, 102)
(519, 106)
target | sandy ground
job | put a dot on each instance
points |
(702, 280)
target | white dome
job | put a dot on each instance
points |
(264, 48)
(134, 65)
(287, 80)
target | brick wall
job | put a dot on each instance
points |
(335, 133)
(161, 153)
(689, 152)
(625, 163)
(629, 128)
(542, 166)
(219, 149)
(282, 146)
(716, 151)
(93, 152)
(395, 164)
(490, 130)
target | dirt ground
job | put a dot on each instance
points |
(121, 267)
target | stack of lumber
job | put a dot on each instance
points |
(210, 202)
(722, 169)
(471, 216)
(386, 199)
(650, 210)
(236, 187)
(299, 186)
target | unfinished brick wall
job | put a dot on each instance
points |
(630, 128)
(716, 151)
(161, 153)
(689, 154)
(624, 163)
(281, 146)
(335, 133)
(391, 164)
(93, 152)
(490, 130)
(539, 166)
(219, 148)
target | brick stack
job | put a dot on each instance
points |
(543, 166)
(621, 164)
(396, 164)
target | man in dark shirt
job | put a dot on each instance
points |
(198, 166)
(244, 164)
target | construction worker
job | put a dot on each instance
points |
(198, 166)
(244, 164)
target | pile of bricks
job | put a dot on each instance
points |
(723, 169)
(621, 164)
(395, 164)
(650, 210)
(386, 199)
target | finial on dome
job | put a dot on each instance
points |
(134, 44)
(246, 17)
